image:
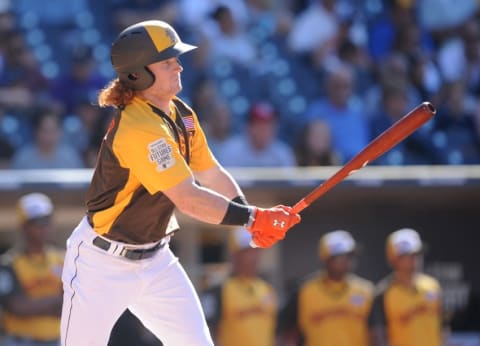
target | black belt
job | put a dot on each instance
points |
(133, 254)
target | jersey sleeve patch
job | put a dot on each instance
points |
(160, 152)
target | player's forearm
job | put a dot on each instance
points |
(219, 180)
(198, 202)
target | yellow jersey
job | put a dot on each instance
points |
(243, 312)
(411, 315)
(329, 313)
(144, 152)
(34, 277)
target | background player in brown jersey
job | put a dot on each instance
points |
(331, 307)
(243, 309)
(30, 285)
(407, 308)
(153, 159)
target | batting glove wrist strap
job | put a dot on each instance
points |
(240, 200)
(236, 214)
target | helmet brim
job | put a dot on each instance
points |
(174, 51)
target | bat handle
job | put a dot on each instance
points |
(302, 204)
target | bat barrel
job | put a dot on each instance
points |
(381, 144)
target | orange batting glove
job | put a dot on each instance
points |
(268, 226)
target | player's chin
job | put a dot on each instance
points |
(177, 86)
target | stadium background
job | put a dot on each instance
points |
(41, 41)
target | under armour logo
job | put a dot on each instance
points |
(278, 223)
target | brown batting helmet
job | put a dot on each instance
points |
(143, 44)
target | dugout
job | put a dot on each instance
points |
(440, 202)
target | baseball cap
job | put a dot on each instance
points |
(34, 206)
(262, 112)
(239, 239)
(403, 242)
(335, 243)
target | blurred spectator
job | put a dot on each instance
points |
(394, 70)
(46, 150)
(422, 69)
(305, 37)
(418, 148)
(30, 285)
(268, 25)
(472, 55)
(81, 81)
(218, 125)
(227, 39)
(455, 131)
(458, 54)
(127, 12)
(84, 129)
(314, 145)
(265, 19)
(425, 77)
(195, 13)
(440, 16)
(296, 6)
(258, 146)
(90, 155)
(21, 82)
(389, 30)
(383, 42)
(407, 308)
(204, 94)
(243, 309)
(342, 112)
(331, 307)
(56, 13)
(357, 57)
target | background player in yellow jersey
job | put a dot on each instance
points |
(407, 309)
(153, 159)
(30, 285)
(243, 309)
(331, 308)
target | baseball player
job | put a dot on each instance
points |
(243, 309)
(30, 284)
(154, 158)
(407, 308)
(332, 307)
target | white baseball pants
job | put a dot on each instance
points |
(99, 286)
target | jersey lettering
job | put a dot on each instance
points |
(160, 152)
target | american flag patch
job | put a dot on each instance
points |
(189, 123)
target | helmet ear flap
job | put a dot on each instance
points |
(132, 76)
(138, 80)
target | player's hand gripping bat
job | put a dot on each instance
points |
(384, 142)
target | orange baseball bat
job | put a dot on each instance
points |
(384, 142)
